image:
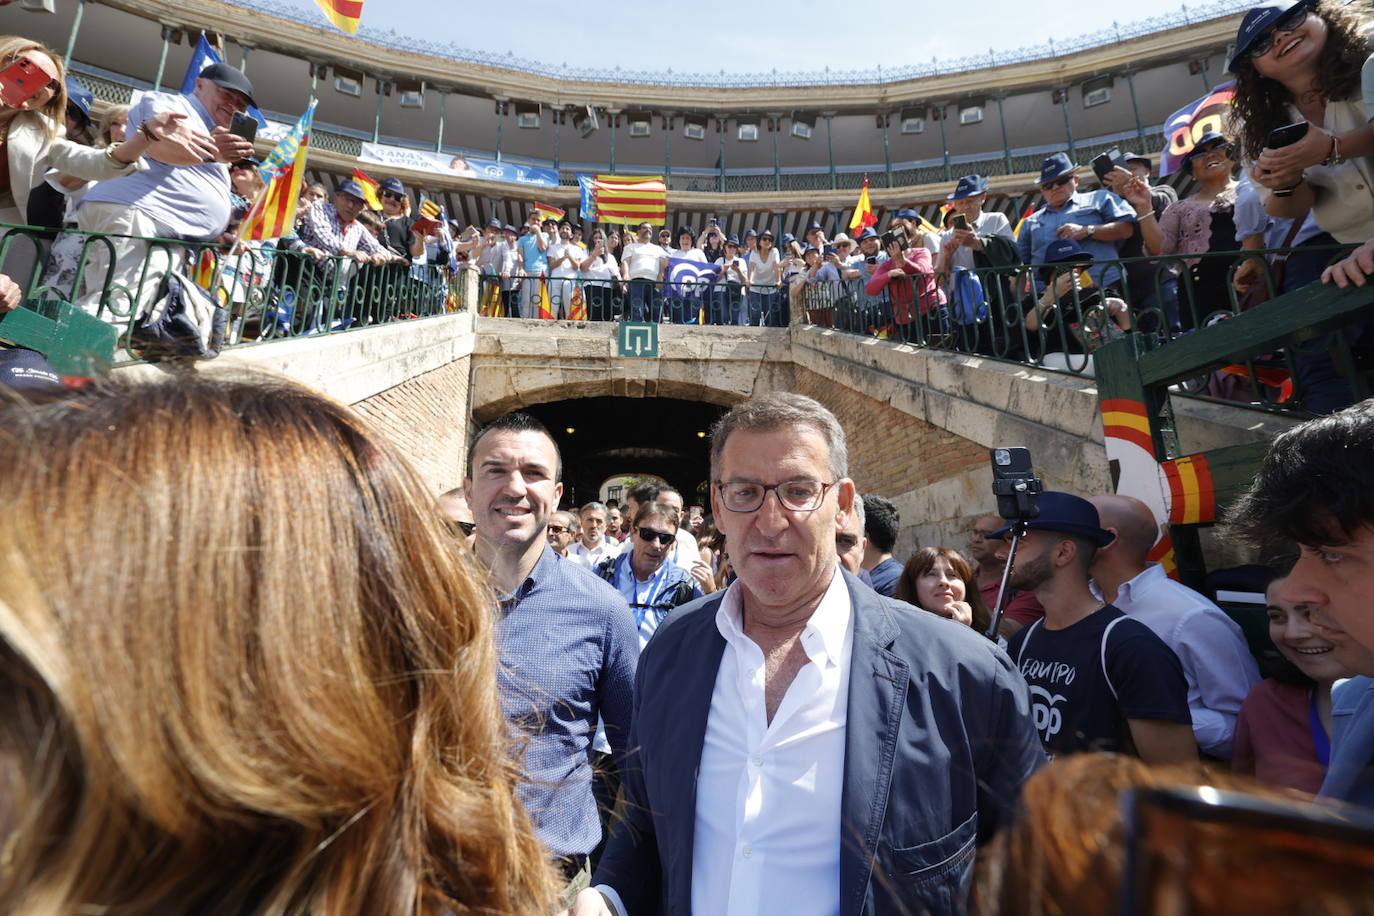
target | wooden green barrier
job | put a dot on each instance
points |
(74, 342)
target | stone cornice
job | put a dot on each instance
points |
(323, 45)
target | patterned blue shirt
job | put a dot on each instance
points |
(649, 600)
(568, 649)
(1086, 208)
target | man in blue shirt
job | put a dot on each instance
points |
(534, 263)
(1098, 220)
(1316, 489)
(652, 584)
(566, 640)
(182, 198)
(881, 524)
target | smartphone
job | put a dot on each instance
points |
(20, 81)
(244, 125)
(1014, 483)
(897, 235)
(960, 221)
(1286, 135)
(1105, 163)
(694, 512)
(828, 251)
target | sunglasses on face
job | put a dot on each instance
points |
(649, 535)
(392, 195)
(1057, 183)
(466, 528)
(1288, 23)
(558, 529)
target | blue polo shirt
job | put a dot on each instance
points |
(568, 649)
(533, 261)
(188, 202)
(1086, 208)
(1350, 776)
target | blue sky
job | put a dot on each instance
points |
(745, 37)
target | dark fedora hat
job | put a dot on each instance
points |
(1064, 513)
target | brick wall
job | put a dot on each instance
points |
(427, 418)
(890, 451)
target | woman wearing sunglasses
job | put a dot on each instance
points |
(644, 572)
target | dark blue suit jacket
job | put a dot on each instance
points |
(938, 741)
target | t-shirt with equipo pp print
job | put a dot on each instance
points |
(1088, 678)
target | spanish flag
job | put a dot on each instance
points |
(273, 214)
(863, 211)
(549, 211)
(344, 14)
(369, 189)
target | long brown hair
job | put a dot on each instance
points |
(13, 47)
(243, 667)
(1261, 104)
(923, 561)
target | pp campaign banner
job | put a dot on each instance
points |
(1191, 121)
(458, 166)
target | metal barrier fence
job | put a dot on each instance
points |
(268, 292)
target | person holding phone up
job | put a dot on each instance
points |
(183, 194)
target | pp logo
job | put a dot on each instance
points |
(1048, 716)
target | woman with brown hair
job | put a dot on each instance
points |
(939, 580)
(245, 669)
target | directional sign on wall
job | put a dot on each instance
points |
(639, 338)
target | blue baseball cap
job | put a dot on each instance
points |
(969, 186)
(351, 186)
(1258, 21)
(907, 213)
(493, 223)
(511, 229)
(1064, 513)
(1061, 250)
(1056, 166)
(732, 240)
(788, 238)
(868, 233)
(1203, 144)
(28, 371)
(393, 185)
(815, 224)
(752, 233)
(80, 97)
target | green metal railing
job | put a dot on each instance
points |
(92, 280)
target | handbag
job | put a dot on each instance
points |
(1258, 291)
(184, 322)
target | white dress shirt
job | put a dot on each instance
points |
(1216, 660)
(590, 556)
(768, 794)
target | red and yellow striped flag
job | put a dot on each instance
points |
(369, 185)
(273, 214)
(544, 302)
(429, 209)
(630, 199)
(345, 14)
(577, 311)
(549, 211)
(863, 212)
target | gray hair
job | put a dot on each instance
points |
(859, 512)
(593, 506)
(776, 411)
(661, 511)
(569, 519)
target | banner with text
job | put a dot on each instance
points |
(1192, 121)
(459, 166)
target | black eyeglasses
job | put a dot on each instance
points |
(466, 528)
(392, 195)
(798, 495)
(1288, 23)
(649, 535)
(558, 529)
(1057, 183)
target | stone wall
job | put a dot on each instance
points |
(427, 417)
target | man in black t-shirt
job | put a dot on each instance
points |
(1099, 681)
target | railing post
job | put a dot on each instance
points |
(557, 138)
(777, 161)
(1064, 108)
(1135, 107)
(887, 150)
(243, 58)
(1006, 142)
(720, 161)
(668, 154)
(76, 26)
(377, 118)
(944, 140)
(443, 105)
(161, 61)
(501, 123)
(830, 147)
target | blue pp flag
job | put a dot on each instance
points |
(685, 277)
(588, 207)
(203, 56)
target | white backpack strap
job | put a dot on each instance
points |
(1106, 635)
(1025, 642)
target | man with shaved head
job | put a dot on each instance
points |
(1218, 665)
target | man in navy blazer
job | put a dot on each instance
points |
(800, 744)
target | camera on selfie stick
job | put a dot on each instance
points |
(1017, 490)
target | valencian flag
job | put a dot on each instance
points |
(863, 212)
(274, 212)
(577, 311)
(345, 14)
(588, 202)
(1192, 121)
(369, 186)
(630, 199)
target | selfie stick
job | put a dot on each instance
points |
(1025, 511)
